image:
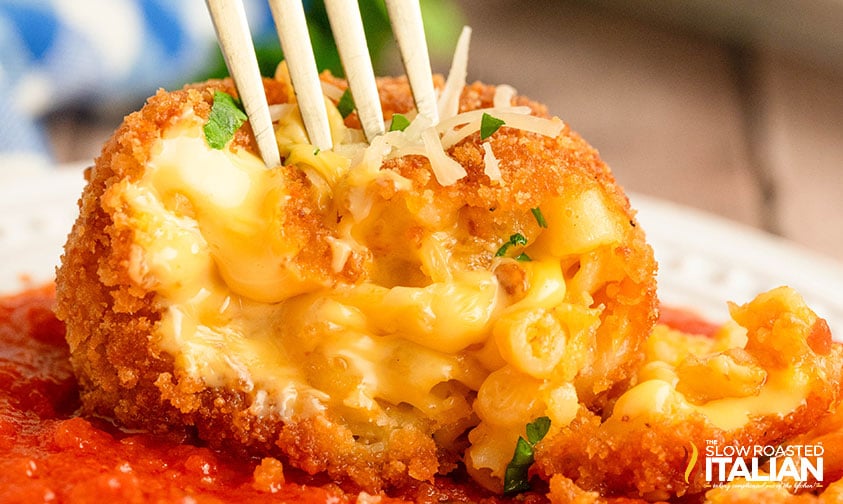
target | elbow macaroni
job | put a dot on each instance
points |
(459, 349)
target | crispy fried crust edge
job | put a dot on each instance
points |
(110, 318)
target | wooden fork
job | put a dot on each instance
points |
(234, 37)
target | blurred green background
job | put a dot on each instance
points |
(443, 20)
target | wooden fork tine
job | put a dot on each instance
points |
(232, 27)
(347, 26)
(408, 29)
(291, 25)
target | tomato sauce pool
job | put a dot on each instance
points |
(50, 453)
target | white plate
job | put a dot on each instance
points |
(704, 261)
(37, 210)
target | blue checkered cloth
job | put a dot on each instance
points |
(97, 54)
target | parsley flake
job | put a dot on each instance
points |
(537, 429)
(518, 239)
(488, 125)
(537, 213)
(514, 240)
(516, 476)
(399, 122)
(225, 119)
(346, 104)
(522, 257)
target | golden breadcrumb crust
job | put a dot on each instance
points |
(111, 318)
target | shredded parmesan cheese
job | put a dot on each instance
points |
(455, 129)
(547, 127)
(446, 170)
(503, 96)
(409, 142)
(475, 115)
(462, 125)
(331, 91)
(279, 110)
(449, 101)
(491, 165)
(424, 138)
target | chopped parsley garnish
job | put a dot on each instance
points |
(514, 240)
(488, 125)
(537, 213)
(523, 257)
(518, 239)
(316, 151)
(516, 477)
(225, 119)
(537, 429)
(346, 104)
(399, 122)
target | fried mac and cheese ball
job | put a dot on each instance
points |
(377, 312)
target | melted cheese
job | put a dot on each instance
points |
(209, 224)
(784, 391)
(210, 234)
(236, 203)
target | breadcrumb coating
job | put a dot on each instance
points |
(109, 302)
(108, 298)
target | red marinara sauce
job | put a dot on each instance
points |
(50, 453)
(686, 320)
